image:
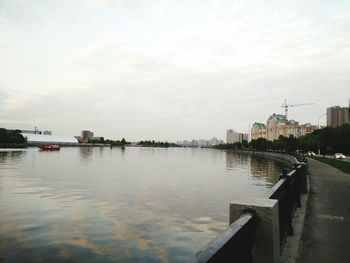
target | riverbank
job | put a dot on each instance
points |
(274, 155)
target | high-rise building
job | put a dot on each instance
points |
(337, 116)
(203, 143)
(86, 135)
(294, 128)
(258, 131)
(214, 141)
(232, 136)
(278, 125)
(200, 142)
(273, 126)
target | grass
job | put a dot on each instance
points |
(339, 164)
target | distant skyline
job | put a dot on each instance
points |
(169, 70)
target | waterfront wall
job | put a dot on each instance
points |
(278, 156)
(263, 237)
(274, 155)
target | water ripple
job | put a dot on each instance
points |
(132, 205)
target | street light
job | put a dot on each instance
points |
(318, 126)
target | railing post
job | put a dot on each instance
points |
(303, 178)
(290, 202)
(297, 174)
(266, 246)
(284, 174)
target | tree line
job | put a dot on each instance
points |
(329, 140)
(11, 136)
(153, 144)
(121, 142)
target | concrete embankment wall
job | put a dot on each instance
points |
(275, 215)
(267, 248)
(279, 156)
(273, 155)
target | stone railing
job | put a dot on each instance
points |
(259, 226)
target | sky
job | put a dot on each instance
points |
(169, 70)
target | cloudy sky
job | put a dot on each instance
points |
(169, 70)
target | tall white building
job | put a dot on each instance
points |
(232, 136)
(203, 143)
(214, 141)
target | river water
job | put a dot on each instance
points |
(121, 205)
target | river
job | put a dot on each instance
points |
(121, 205)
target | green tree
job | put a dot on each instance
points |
(7, 136)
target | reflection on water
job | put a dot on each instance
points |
(126, 205)
(235, 160)
(85, 154)
(266, 168)
(262, 171)
(11, 156)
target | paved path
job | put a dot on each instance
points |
(326, 236)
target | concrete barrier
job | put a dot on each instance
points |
(266, 247)
(274, 215)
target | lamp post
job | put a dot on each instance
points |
(318, 126)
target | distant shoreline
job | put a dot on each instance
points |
(13, 145)
(23, 146)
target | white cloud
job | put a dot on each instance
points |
(168, 69)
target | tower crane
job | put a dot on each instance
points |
(286, 106)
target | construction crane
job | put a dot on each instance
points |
(286, 106)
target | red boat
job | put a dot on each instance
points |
(51, 147)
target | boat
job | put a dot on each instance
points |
(49, 147)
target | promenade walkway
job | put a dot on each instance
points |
(326, 236)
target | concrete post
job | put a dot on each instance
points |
(266, 247)
(303, 174)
